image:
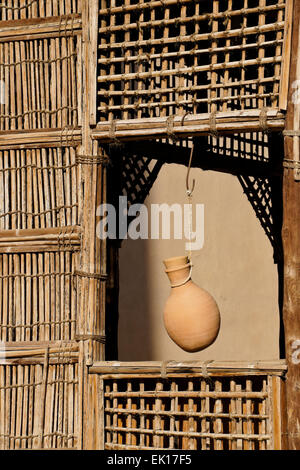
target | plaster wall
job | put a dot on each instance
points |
(235, 265)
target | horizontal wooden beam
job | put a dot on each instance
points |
(189, 125)
(40, 240)
(67, 137)
(155, 367)
(38, 345)
(16, 353)
(24, 353)
(34, 28)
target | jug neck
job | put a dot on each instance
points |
(178, 270)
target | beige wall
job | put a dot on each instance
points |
(235, 265)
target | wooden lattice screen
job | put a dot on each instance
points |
(39, 399)
(55, 170)
(171, 64)
(75, 75)
(44, 165)
(234, 407)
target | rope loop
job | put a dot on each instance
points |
(263, 120)
(213, 124)
(170, 128)
(189, 277)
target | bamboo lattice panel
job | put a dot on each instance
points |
(40, 79)
(222, 413)
(161, 58)
(38, 296)
(39, 188)
(46, 166)
(39, 406)
(20, 9)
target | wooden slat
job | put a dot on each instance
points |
(39, 138)
(179, 45)
(231, 122)
(291, 244)
(188, 414)
(39, 28)
(286, 56)
(276, 413)
(143, 368)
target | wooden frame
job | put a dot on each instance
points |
(53, 135)
(291, 241)
(234, 122)
(144, 415)
(128, 107)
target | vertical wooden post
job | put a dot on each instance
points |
(88, 282)
(91, 292)
(277, 392)
(291, 242)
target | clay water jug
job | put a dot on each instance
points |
(191, 315)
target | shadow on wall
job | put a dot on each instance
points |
(135, 340)
(236, 266)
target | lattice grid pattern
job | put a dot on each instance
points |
(138, 177)
(158, 58)
(259, 193)
(221, 413)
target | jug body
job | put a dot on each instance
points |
(191, 315)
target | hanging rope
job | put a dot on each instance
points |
(189, 192)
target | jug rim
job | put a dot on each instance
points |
(178, 268)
